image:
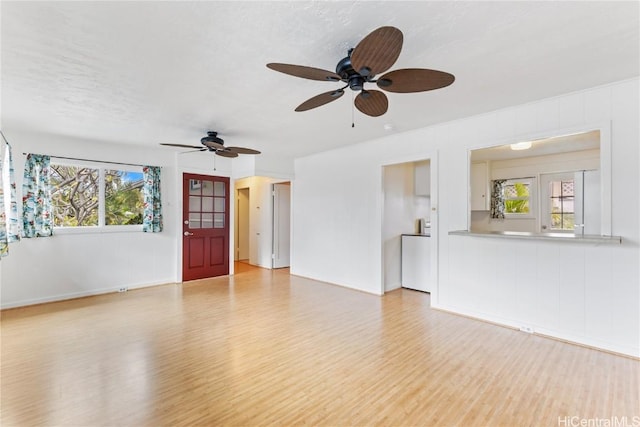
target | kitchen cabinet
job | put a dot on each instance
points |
(422, 178)
(416, 262)
(480, 194)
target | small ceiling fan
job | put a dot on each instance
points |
(212, 142)
(375, 54)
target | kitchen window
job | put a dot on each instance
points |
(518, 198)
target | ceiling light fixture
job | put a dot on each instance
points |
(521, 145)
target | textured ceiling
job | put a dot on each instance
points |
(149, 72)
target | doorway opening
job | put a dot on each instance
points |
(262, 210)
(409, 226)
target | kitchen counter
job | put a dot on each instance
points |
(555, 237)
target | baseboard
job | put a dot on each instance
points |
(336, 284)
(593, 343)
(75, 295)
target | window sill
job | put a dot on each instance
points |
(555, 237)
(61, 231)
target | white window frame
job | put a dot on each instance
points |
(532, 198)
(101, 227)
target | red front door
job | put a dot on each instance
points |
(205, 229)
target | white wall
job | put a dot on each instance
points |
(72, 265)
(584, 293)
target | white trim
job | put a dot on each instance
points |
(74, 295)
(97, 229)
(539, 330)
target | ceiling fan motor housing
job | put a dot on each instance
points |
(345, 70)
(212, 137)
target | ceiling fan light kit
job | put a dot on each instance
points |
(375, 54)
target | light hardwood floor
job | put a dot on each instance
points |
(266, 348)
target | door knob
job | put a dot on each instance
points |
(186, 233)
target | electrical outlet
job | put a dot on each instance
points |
(123, 289)
(527, 329)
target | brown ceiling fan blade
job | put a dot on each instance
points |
(213, 145)
(414, 80)
(318, 100)
(242, 150)
(183, 146)
(226, 154)
(377, 52)
(305, 72)
(372, 103)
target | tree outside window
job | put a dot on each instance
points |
(518, 197)
(79, 202)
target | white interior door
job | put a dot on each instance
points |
(242, 237)
(557, 203)
(281, 225)
(570, 202)
(588, 201)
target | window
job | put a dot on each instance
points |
(124, 202)
(562, 205)
(518, 200)
(206, 204)
(84, 196)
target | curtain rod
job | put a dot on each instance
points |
(95, 161)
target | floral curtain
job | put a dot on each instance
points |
(152, 220)
(497, 198)
(9, 228)
(36, 197)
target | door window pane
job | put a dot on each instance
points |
(194, 186)
(207, 204)
(194, 204)
(562, 206)
(218, 220)
(219, 204)
(207, 220)
(218, 189)
(194, 220)
(207, 188)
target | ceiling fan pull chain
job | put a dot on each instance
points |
(352, 115)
